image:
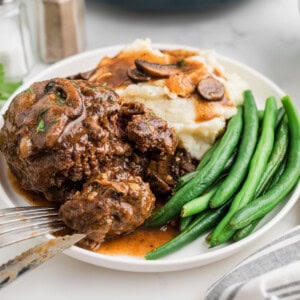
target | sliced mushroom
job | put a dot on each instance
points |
(156, 70)
(137, 76)
(211, 89)
(65, 94)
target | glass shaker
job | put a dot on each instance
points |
(61, 28)
(16, 52)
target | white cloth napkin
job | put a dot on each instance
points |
(271, 273)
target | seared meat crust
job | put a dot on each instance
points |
(78, 144)
(108, 206)
(62, 132)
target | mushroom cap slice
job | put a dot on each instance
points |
(137, 76)
(156, 70)
(211, 89)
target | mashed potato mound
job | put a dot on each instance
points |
(196, 121)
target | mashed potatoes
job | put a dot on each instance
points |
(198, 122)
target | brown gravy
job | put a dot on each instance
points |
(32, 198)
(137, 243)
(112, 73)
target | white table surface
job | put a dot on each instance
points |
(263, 34)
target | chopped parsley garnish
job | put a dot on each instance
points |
(104, 84)
(49, 86)
(110, 99)
(43, 111)
(54, 121)
(92, 89)
(59, 101)
(30, 90)
(181, 63)
(41, 126)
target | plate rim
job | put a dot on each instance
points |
(139, 264)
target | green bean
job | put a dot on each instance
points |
(185, 222)
(189, 176)
(183, 180)
(204, 178)
(279, 117)
(274, 180)
(281, 113)
(200, 203)
(229, 162)
(260, 114)
(277, 156)
(257, 167)
(208, 237)
(264, 204)
(202, 224)
(245, 152)
(244, 232)
(207, 156)
(197, 218)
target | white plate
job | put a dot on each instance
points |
(197, 253)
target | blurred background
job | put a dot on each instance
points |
(262, 34)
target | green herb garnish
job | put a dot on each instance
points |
(181, 63)
(30, 90)
(110, 99)
(50, 85)
(41, 126)
(54, 121)
(6, 88)
(59, 101)
(43, 111)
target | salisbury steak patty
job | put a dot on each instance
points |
(108, 206)
(62, 137)
(59, 133)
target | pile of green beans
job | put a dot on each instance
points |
(264, 204)
(259, 165)
(273, 172)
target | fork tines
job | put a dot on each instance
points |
(22, 223)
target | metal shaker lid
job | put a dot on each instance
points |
(3, 2)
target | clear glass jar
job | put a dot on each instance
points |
(61, 28)
(16, 52)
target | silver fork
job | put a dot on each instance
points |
(22, 223)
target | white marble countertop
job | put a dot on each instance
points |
(263, 34)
